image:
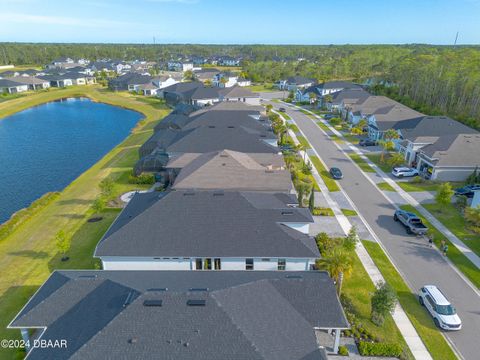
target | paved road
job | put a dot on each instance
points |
(418, 263)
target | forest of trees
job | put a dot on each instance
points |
(432, 79)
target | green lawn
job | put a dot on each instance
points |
(460, 260)
(286, 116)
(349, 212)
(324, 127)
(375, 158)
(329, 182)
(385, 186)
(293, 127)
(28, 255)
(423, 323)
(423, 186)
(359, 288)
(303, 141)
(361, 163)
(267, 87)
(351, 138)
(451, 217)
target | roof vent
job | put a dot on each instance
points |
(188, 193)
(88, 276)
(287, 212)
(218, 193)
(198, 289)
(211, 126)
(231, 127)
(263, 136)
(152, 302)
(132, 340)
(157, 289)
(196, 302)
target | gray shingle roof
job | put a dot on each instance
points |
(204, 139)
(208, 224)
(455, 150)
(247, 315)
(233, 170)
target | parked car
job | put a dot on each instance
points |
(282, 109)
(404, 172)
(336, 173)
(443, 313)
(468, 190)
(367, 142)
(412, 222)
(328, 116)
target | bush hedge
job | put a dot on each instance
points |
(142, 179)
(342, 350)
(379, 349)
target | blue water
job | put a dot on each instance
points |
(45, 148)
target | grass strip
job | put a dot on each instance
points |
(385, 186)
(329, 182)
(361, 163)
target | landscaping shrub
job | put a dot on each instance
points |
(379, 349)
(472, 216)
(142, 179)
(335, 121)
(342, 350)
(319, 211)
(383, 302)
(444, 194)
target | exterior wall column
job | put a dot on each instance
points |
(26, 338)
(337, 341)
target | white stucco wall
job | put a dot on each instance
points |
(302, 227)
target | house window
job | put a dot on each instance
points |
(248, 264)
(198, 264)
(282, 264)
(207, 264)
(218, 264)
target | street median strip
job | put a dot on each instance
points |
(329, 182)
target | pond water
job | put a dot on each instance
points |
(46, 147)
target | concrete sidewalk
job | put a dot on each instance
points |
(406, 328)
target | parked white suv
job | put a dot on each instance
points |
(443, 313)
(404, 172)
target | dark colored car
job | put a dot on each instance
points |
(336, 173)
(328, 116)
(282, 109)
(468, 190)
(367, 142)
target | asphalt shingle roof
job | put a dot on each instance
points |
(260, 315)
(208, 224)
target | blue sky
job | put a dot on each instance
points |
(241, 21)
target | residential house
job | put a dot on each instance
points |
(228, 61)
(152, 88)
(190, 315)
(210, 230)
(12, 87)
(295, 82)
(129, 81)
(239, 94)
(343, 100)
(381, 113)
(230, 170)
(450, 158)
(225, 79)
(426, 130)
(206, 74)
(33, 83)
(182, 66)
(58, 79)
(243, 82)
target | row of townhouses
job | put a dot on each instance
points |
(439, 147)
(219, 265)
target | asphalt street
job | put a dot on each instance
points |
(417, 262)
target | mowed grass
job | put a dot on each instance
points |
(322, 126)
(423, 323)
(349, 212)
(29, 254)
(327, 179)
(460, 260)
(375, 158)
(385, 186)
(266, 87)
(451, 217)
(361, 163)
(359, 289)
(303, 141)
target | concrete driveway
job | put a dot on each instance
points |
(416, 261)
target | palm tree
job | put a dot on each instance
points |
(281, 131)
(338, 264)
(387, 142)
(299, 148)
